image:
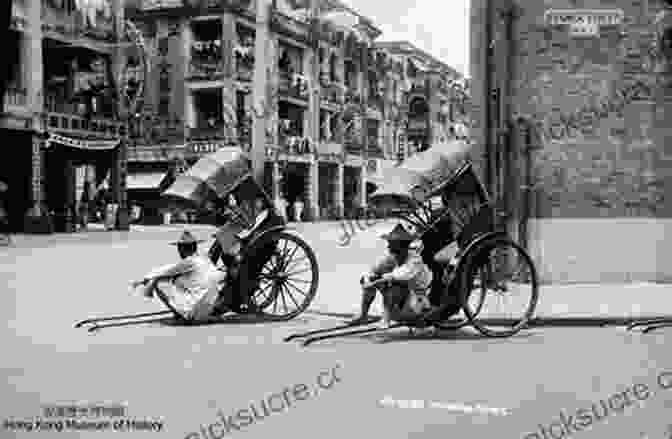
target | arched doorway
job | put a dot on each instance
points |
(418, 123)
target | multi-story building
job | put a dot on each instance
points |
(59, 122)
(337, 101)
(570, 102)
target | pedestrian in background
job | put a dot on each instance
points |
(84, 206)
(6, 238)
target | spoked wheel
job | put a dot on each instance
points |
(505, 276)
(280, 275)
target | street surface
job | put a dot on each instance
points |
(180, 378)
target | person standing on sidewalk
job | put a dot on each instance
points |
(4, 215)
(84, 206)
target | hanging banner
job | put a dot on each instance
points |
(101, 145)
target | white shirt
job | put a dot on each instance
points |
(197, 282)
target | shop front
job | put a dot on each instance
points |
(77, 172)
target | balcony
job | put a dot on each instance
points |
(73, 124)
(149, 5)
(244, 54)
(63, 116)
(206, 133)
(373, 148)
(16, 97)
(353, 145)
(205, 69)
(295, 145)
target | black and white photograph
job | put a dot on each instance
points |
(353, 219)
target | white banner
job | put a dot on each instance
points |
(82, 144)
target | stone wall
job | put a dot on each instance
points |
(597, 109)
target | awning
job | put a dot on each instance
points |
(144, 180)
(96, 145)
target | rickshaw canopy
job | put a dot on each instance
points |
(213, 177)
(417, 177)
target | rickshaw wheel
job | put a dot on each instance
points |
(488, 265)
(271, 274)
(474, 306)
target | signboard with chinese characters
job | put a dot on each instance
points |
(584, 22)
(201, 148)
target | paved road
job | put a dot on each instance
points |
(183, 376)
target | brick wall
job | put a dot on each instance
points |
(602, 154)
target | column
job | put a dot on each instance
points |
(37, 187)
(118, 171)
(189, 110)
(312, 190)
(361, 195)
(229, 91)
(339, 189)
(32, 72)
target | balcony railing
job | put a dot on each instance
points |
(201, 68)
(374, 149)
(77, 124)
(353, 146)
(294, 144)
(16, 96)
(206, 133)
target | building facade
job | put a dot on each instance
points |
(338, 101)
(572, 111)
(59, 123)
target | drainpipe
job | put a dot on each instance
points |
(487, 92)
(526, 212)
(509, 155)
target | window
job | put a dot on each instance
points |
(291, 119)
(164, 78)
(332, 68)
(372, 130)
(290, 60)
(164, 106)
(163, 46)
(209, 108)
(350, 75)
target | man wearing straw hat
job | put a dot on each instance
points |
(401, 276)
(189, 287)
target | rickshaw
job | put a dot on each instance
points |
(438, 194)
(277, 274)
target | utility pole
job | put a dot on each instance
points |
(260, 106)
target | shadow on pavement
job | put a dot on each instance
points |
(456, 335)
(234, 319)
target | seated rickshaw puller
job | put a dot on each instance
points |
(409, 278)
(189, 287)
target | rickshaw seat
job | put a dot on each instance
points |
(447, 253)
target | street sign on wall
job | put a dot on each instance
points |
(584, 22)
